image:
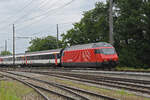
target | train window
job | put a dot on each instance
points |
(36, 57)
(41, 56)
(18, 58)
(105, 51)
(58, 55)
(98, 51)
(52, 56)
(63, 54)
(49, 56)
(108, 51)
(46, 56)
(28, 57)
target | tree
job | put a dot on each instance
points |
(93, 27)
(46, 43)
(4, 53)
(132, 32)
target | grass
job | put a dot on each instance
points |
(120, 94)
(12, 90)
(118, 68)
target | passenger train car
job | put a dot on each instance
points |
(40, 58)
(87, 55)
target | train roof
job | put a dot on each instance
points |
(43, 52)
(90, 45)
(7, 56)
(33, 53)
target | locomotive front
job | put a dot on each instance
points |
(106, 55)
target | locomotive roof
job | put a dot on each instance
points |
(90, 45)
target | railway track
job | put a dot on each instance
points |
(82, 70)
(37, 89)
(136, 86)
(145, 74)
(73, 93)
(133, 85)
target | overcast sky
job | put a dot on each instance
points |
(38, 18)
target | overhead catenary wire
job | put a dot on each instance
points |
(20, 18)
(56, 8)
(12, 16)
(47, 13)
(51, 13)
(60, 7)
(45, 3)
(20, 10)
(42, 31)
(23, 16)
(49, 10)
(37, 16)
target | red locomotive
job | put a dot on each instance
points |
(99, 54)
(90, 55)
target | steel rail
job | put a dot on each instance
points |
(100, 81)
(53, 84)
(109, 83)
(99, 77)
(69, 88)
(68, 98)
(31, 86)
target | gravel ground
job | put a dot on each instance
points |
(116, 74)
(96, 88)
(121, 94)
(55, 89)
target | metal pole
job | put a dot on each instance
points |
(57, 36)
(5, 45)
(13, 44)
(111, 39)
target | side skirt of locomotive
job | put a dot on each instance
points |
(95, 65)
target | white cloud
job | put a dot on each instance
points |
(24, 11)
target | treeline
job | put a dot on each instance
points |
(131, 30)
(5, 53)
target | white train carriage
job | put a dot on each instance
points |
(43, 58)
(19, 59)
(49, 57)
(6, 60)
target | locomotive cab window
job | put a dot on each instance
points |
(106, 51)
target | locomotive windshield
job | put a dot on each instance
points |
(106, 51)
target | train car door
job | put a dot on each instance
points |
(55, 59)
(98, 57)
(1, 60)
(26, 60)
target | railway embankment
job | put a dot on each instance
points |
(73, 84)
(132, 69)
(13, 90)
